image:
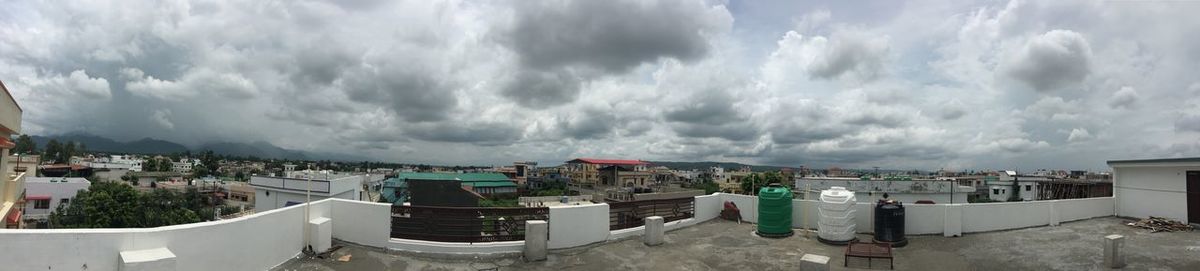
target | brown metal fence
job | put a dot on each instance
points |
(624, 215)
(463, 224)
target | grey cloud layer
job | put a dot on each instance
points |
(928, 84)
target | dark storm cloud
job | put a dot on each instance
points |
(535, 89)
(712, 107)
(1053, 60)
(711, 114)
(476, 133)
(411, 92)
(589, 124)
(609, 35)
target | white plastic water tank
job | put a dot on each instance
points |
(836, 210)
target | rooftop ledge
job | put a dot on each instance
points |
(277, 236)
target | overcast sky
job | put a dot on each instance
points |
(924, 84)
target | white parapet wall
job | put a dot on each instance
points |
(931, 218)
(364, 223)
(572, 226)
(255, 242)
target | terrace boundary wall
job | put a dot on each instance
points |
(267, 239)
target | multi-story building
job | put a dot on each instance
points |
(43, 195)
(587, 170)
(12, 184)
(135, 163)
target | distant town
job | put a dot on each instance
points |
(222, 186)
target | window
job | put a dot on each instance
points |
(41, 204)
(64, 201)
(995, 191)
(1028, 187)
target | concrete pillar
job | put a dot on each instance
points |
(952, 223)
(148, 259)
(536, 235)
(1114, 256)
(1054, 216)
(813, 262)
(654, 231)
(320, 232)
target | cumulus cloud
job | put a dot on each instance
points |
(1123, 98)
(225, 85)
(847, 53)
(543, 89)
(1078, 134)
(77, 83)
(464, 82)
(163, 119)
(612, 35)
(1052, 60)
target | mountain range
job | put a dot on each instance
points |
(157, 146)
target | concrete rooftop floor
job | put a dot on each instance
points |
(725, 245)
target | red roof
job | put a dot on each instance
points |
(608, 161)
(37, 197)
(13, 217)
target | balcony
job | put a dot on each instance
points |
(10, 113)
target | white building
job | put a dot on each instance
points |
(1001, 188)
(134, 163)
(43, 195)
(907, 191)
(1158, 187)
(277, 192)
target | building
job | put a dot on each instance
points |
(586, 171)
(904, 189)
(1157, 187)
(64, 170)
(1044, 185)
(12, 183)
(625, 176)
(134, 163)
(1001, 187)
(43, 195)
(184, 166)
(396, 190)
(277, 192)
(24, 163)
(524, 171)
(239, 191)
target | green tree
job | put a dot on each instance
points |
(68, 150)
(53, 148)
(116, 205)
(25, 145)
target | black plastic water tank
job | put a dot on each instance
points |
(889, 223)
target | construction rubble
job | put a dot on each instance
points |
(1157, 224)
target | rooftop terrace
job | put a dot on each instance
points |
(726, 245)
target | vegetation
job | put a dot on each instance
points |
(59, 153)
(709, 187)
(117, 205)
(499, 203)
(755, 181)
(25, 145)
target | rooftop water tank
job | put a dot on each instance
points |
(774, 211)
(889, 223)
(836, 223)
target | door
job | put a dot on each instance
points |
(1193, 196)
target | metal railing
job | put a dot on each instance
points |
(624, 215)
(463, 224)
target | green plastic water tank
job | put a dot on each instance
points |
(774, 211)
